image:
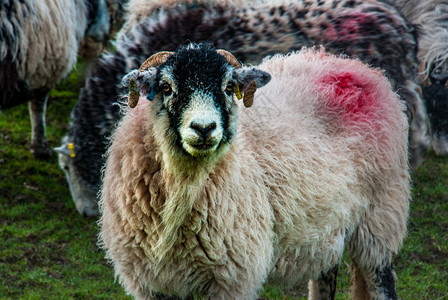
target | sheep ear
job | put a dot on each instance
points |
(134, 93)
(139, 83)
(249, 93)
(246, 75)
(249, 79)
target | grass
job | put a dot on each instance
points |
(48, 251)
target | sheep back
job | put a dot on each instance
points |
(340, 132)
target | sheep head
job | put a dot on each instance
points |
(194, 86)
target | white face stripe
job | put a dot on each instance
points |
(201, 110)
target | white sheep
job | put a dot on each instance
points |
(204, 197)
(38, 48)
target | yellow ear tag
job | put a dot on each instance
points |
(238, 92)
(71, 149)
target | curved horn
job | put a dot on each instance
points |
(155, 60)
(230, 58)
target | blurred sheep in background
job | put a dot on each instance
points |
(431, 17)
(39, 45)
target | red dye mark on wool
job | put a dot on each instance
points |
(350, 27)
(349, 96)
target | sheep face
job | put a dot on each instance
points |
(193, 92)
(83, 194)
(200, 108)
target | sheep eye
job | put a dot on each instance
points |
(166, 88)
(229, 88)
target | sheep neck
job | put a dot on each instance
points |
(186, 184)
(186, 179)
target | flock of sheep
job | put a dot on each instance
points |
(200, 194)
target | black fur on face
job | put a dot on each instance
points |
(193, 70)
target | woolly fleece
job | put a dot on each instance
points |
(42, 40)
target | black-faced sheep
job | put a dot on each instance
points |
(39, 43)
(431, 16)
(204, 197)
(371, 31)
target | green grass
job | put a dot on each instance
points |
(48, 251)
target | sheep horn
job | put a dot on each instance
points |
(155, 60)
(248, 98)
(249, 93)
(230, 58)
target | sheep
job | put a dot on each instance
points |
(91, 46)
(436, 95)
(204, 197)
(251, 32)
(431, 17)
(39, 45)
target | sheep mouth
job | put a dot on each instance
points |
(200, 149)
(203, 146)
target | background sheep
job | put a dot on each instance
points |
(199, 201)
(91, 46)
(39, 45)
(250, 31)
(431, 17)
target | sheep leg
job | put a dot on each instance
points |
(325, 286)
(37, 109)
(379, 284)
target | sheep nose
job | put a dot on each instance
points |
(203, 129)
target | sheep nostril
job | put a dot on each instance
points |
(203, 129)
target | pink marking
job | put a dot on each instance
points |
(331, 33)
(349, 27)
(349, 96)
